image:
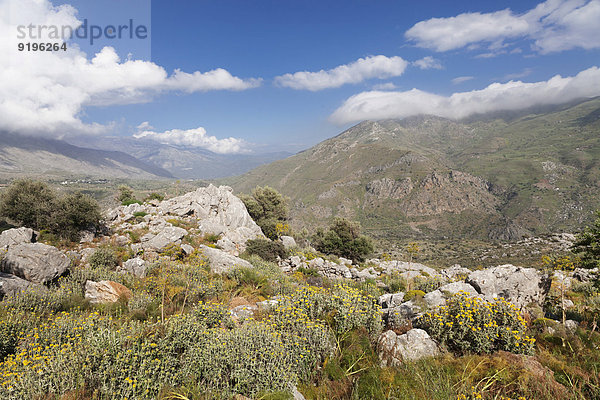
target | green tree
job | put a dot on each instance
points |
(587, 245)
(343, 239)
(35, 205)
(74, 213)
(125, 195)
(268, 208)
(28, 203)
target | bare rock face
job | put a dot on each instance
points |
(166, 236)
(387, 188)
(105, 292)
(221, 261)
(412, 346)
(11, 285)
(520, 286)
(35, 262)
(15, 236)
(219, 212)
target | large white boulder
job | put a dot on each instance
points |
(520, 286)
(219, 212)
(35, 262)
(414, 345)
(15, 236)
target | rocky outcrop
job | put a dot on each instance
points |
(221, 261)
(35, 262)
(219, 212)
(168, 235)
(105, 292)
(414, 345)
(387, 188)
(15, 236)
(11, 285)
(450, 192)
(520, 286)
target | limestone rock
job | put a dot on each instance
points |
(411, 346)
(288, 242)
(219, 212)
(520, 286)
(221, 261)
(167, 236)
(15, 236)
(134, 266)
(243, 312)
(35, 262)
(105, 292)
(390, 300)
(11, 285)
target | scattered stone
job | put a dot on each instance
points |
(455, 271)
(297, 395)
(571, 326)
(87, 236)
(121, 240)
(35, 262)
(288, 242)
(105, 292)
(134, 266)
(15, 236)
(187, 249)
(267, 304)
(243, 312)
(221, 261)
(390, 300)
(520, 286)
(411, 346)
(452, 288)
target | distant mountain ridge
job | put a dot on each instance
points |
(27, 155)
(183, 162)
(425, 176)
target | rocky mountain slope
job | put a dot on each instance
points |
(430, 177)
(183, 162)
(23, 155)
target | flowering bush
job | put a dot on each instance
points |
(470, 324)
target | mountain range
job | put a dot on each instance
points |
(118, 157)
(501, 177)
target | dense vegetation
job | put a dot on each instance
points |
(343, 239)
(269, 209)
(35, 205)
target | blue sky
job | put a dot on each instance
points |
(464, 47)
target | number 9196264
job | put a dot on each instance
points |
(42, 46)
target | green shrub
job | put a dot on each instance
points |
(28, 203)
(269, 209)
(587, 244)
(411, 294)
(103, 258)
(343, 239)
(130, 202)
(154, 196)
(470, 324)
(36, 205)
(266, 249)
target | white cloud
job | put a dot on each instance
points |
(460, 79)
(46, 93)
(554, 25)
(513, 95)
(194, 138)
(428, 63)
(380, 67)
(384, 86)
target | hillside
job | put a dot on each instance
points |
(182, 162)
(430, 177)
(23, 155)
